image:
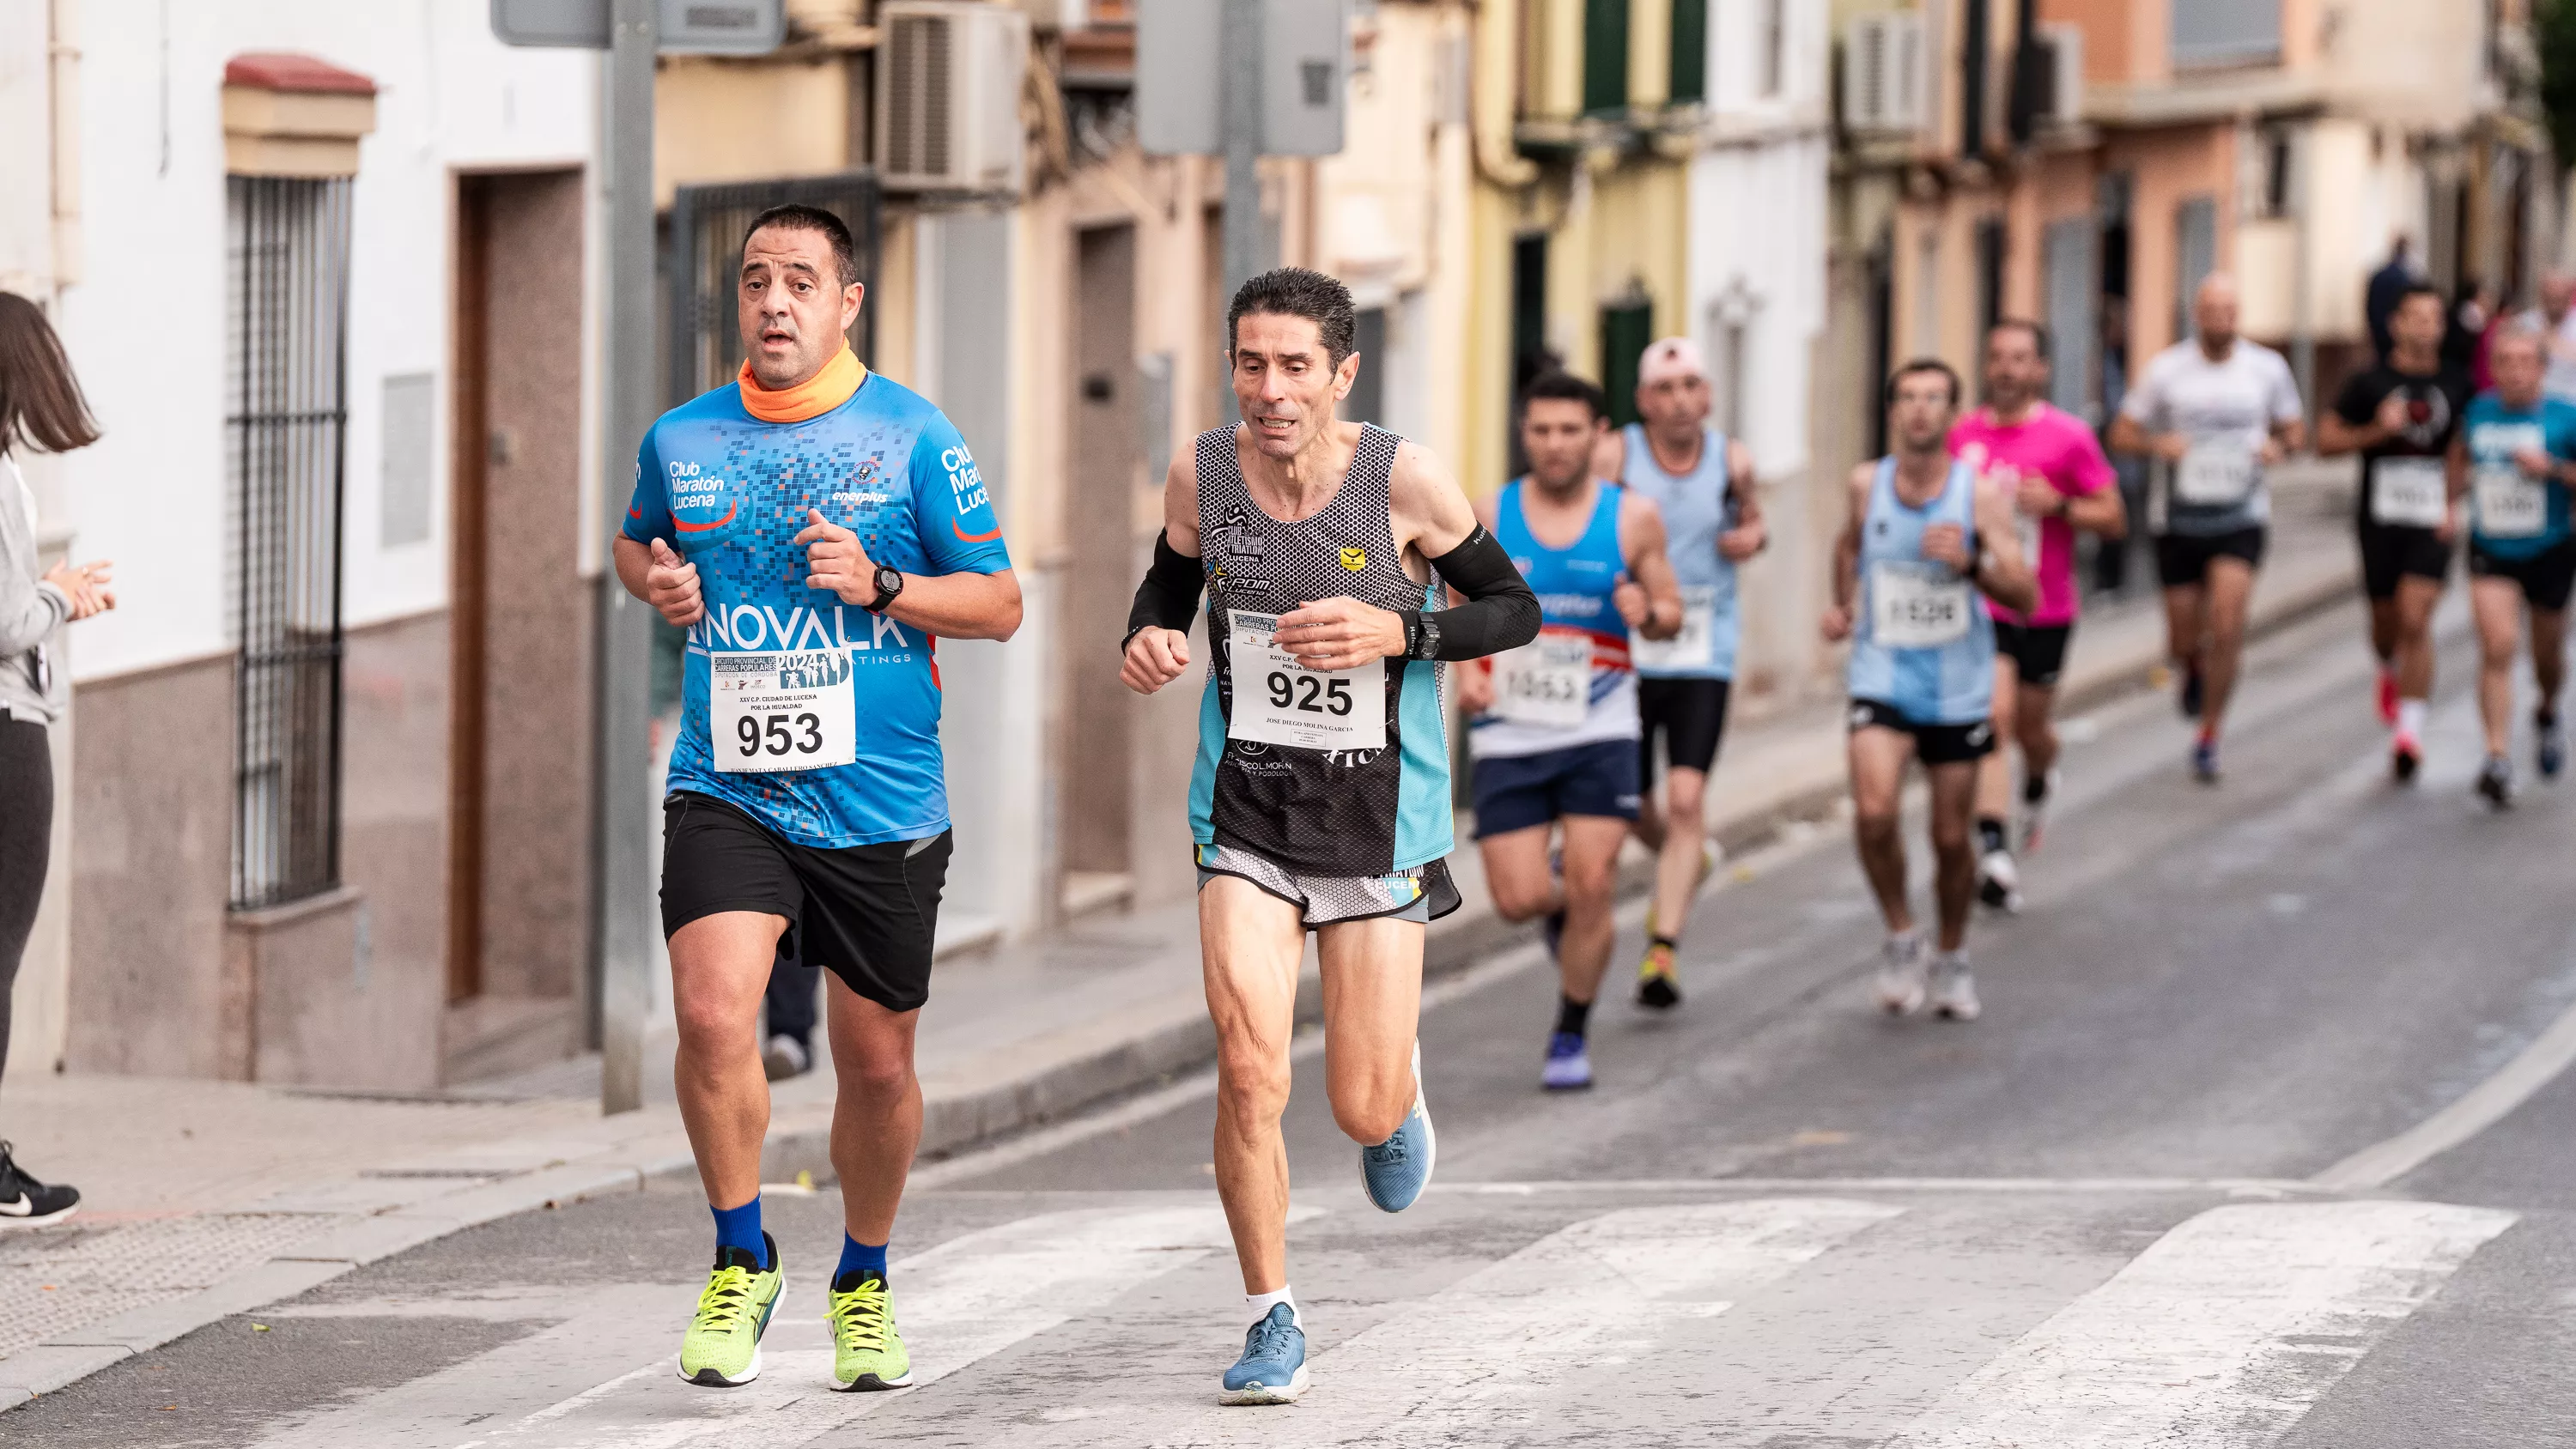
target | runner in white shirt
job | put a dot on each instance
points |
(2216, 410)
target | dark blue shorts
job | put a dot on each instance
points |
(1515, 792)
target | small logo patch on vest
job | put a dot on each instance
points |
(1355, 559)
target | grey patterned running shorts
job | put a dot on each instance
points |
(1421, 894)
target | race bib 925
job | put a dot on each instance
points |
(1278, 701)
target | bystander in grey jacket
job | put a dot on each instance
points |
(30, 608)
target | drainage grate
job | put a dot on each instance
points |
(58, 1281)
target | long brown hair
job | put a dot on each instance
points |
(40, 400)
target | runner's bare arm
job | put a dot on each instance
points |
(1431, 517)
(2100, 512)
(1999, 567)
(2128, 435)
(1157, 648)
(1838, 614)
(1650, 597)
(962, 605)
(2288, 436)
(1751, 534)
(2455, 467)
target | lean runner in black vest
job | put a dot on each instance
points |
(1321, 797)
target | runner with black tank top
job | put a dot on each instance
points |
(1320, 801)
(2400, 415)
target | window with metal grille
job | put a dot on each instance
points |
(287, 255)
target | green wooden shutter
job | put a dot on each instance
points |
(1605, 56)
(1690, 51)
(1626, 328)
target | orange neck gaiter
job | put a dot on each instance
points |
(811, 398)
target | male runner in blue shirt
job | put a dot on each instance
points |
(815, 529)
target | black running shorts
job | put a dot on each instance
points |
(1934, 744)
(2183, 559)
(2390, 552)
(2038, 651)
(2548, 578)
(866, 913)
(1689, 713)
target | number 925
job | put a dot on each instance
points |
(1318, 696)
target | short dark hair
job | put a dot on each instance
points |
(1299, 292)
(2038, 334)
(2419, 288)
(1566, 387)
(797, 216)
(1917, 368)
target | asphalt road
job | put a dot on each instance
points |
(2090, 1218)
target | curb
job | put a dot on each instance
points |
(950, 1124)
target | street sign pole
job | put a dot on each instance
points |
(624, 848)
(1241, 113)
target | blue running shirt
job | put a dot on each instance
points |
(2516, 516)
(730, 493)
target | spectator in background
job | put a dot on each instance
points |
(2555, 321)
(40, 407)
(2387, 285)
(2465, 330)
(2111, 555)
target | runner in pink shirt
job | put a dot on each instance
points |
(2055, 464)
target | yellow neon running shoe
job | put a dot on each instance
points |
(867, 1353)
(1658, 987)
(722, 1347)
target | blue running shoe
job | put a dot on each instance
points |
(2204, 761)
(1273, 1367)
(2552, 745)
(1397, 1170)
(1569, 1066)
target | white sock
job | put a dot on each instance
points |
(1260, 1305)
(2410, 717)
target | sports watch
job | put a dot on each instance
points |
(889, 583)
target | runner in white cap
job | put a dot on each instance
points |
(1703, 481)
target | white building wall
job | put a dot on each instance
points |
(1758, 244)
(146, 323)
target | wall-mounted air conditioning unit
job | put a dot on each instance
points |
(949, 74)
(2063, 104)
(1885, 79)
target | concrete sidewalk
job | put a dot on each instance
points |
(203, 1199)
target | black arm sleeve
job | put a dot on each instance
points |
(1500, 613)
(1169, 597)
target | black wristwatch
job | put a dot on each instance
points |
(1422, 633)
(889, 584)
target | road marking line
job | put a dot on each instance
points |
(2480, 1108)
(2219, 1336)
(2233, 1186)
(962, 1301)
(1487, 1355)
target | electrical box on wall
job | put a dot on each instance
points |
(949, 74)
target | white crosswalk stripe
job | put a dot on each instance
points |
(2218, 1336)
(961, 1301)
(1759, 1320)
(1485, 1356)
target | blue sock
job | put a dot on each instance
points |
(858, 1257)
(739, 1227)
